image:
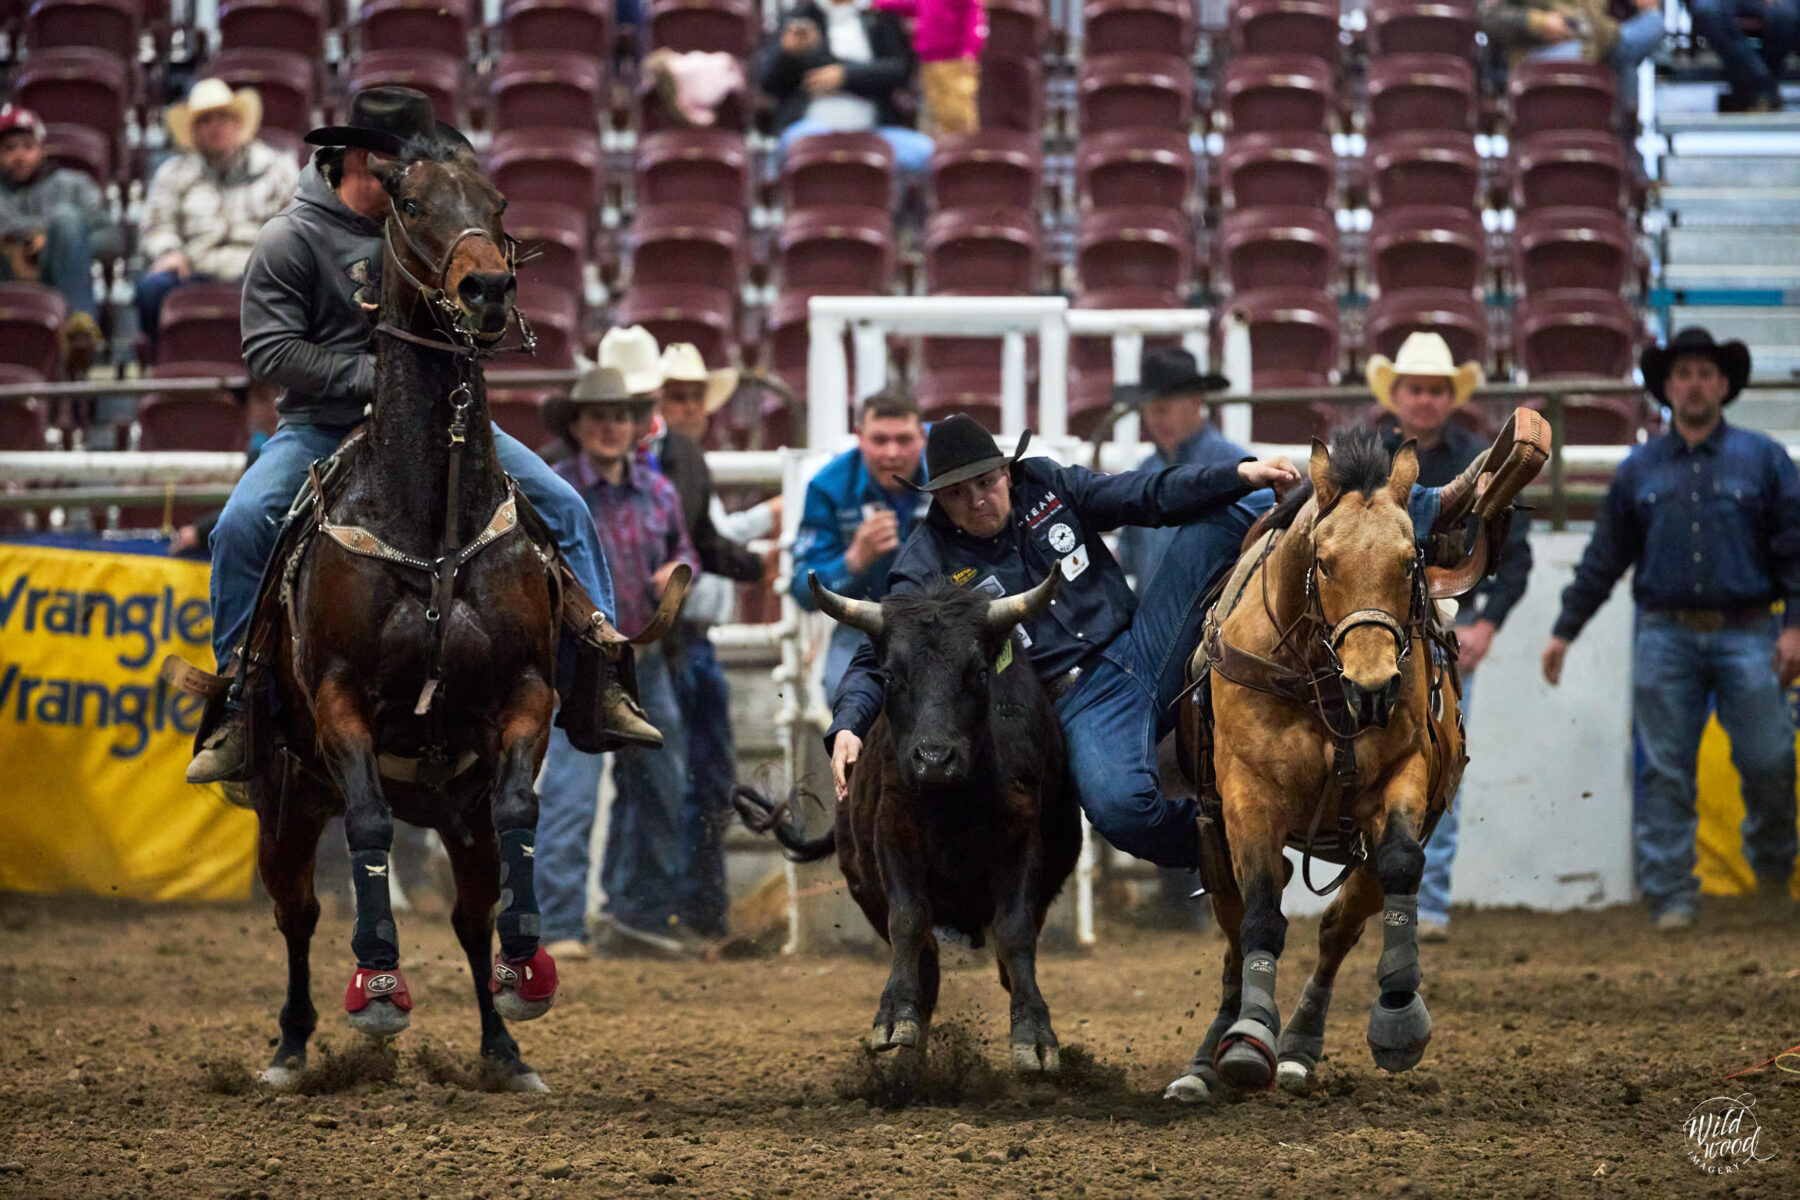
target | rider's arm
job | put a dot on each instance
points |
(1617, 542)
(862, 691)
(1171, 496)
(279, 285)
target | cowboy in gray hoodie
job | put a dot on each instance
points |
(310, 293)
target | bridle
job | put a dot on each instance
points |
(447, 315)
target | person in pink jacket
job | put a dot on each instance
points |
(947, 37)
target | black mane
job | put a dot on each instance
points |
(1360, 462)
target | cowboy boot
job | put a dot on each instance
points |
(224, 753)
(599, 711)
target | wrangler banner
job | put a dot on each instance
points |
(93, 743)
(1719, 846)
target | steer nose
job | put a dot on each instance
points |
(486, 287)
(934, 762)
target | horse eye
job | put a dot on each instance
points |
(410, 208)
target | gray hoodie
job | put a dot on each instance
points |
(304, 327)
(27, 207)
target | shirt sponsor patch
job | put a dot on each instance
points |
(1076, 563)
(1062, 538)
(1040, 512)
(959, 578)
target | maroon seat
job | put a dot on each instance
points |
(728, 25)
(560, 165)
(1138, 27)
(1011, 95)
(838, 168)
(684, 313)
(555, 317)
(1427, 246)
(1422, 27)
(286, 82)
(1294, 424)
(693, 166)
(788, 332)
(1293, 27)
(988, 168)
(1454, 313)
(1134, 166)
(1572, 248)
(31, 315)
(1424, 166)
(537, 89)
(23, 423)
(1573, 169)
(982, 252)
(286, 141)
(1602, 420)
(943, 393)
(1575, 332)
(293, 25)
(688, 244)
(1547, 96)
(436, 25)
(110, 25)
(1293, 336)
(193, 420)
(81, 148)
(1282, 246)
(1290, 167)
(1016, 29)
(200, 324)
(75, 85)
(1278, 91)
(1130, 91)
(554, 241)
(1130, 247)
(575, 26)
(1421, 91)
(831, 247)
(439, 76)
(520, 412)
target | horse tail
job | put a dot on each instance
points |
(763, 815)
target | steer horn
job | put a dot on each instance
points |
(1008, 611)
(857, 614)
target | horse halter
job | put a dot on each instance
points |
(448, 315)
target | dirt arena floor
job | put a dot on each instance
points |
(1568, 1053)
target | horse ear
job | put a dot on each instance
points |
(1319, 468)
(1405, 472)
(388, 172)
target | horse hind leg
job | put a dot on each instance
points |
(1302, 1043)
(287, 845)
(1199, 1082)
(1399, 1023)
(475, 862)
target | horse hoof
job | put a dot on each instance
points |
(524, 990)
(1030, 1058)
(380, 1019)
(527, 1082)
(280, 1078)
(1246, 1059)
(513, 1007)
(1398, 1036)
(900, 1033)
(1293, 1076)
(1191, 1089)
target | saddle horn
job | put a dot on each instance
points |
(1444, 582)
(1008, 611)
(857, 614)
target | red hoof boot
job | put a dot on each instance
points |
(524, 990)
(377, 1002)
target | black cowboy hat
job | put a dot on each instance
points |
(600, 385)
(385, 119)
(958, 448)
(1167, 373)
(1733, 358)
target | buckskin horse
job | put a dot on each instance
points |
(1326, 695)
(414, 606)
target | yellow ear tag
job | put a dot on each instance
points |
(1005, 659)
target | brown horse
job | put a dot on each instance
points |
(1333, 702)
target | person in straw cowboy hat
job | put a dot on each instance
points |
(207, 204)
(1419, 389)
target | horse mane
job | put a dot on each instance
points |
(1360, 462)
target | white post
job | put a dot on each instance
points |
(1234, 338)
(1012, 385)
(870, 340)
(827, 383)
(1053, 375)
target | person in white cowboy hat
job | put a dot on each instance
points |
(1419, 389)
(633, 353)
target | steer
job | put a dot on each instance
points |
(960, 815)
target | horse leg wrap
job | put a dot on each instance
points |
(1303, 1041)
(518, 922)
(1398, 971)
(373, 940)
(1397, 1036)
(1258, 1003)
(1246, 1054)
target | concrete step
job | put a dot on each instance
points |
(1769, 248)
(1705, 204)
(1731, 171)
(1776, 413)
(1753, 326)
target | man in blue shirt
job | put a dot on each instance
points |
(1709, 514)
(859, 508)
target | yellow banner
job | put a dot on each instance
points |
(1719, 843)
(95, 744)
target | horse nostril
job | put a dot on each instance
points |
(486, 287)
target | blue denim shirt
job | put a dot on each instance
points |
(1712, 526)
(1141, 549)
(838, 500)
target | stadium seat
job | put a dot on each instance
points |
(1572, 248)
(788, 332)
(1602, 420)
(838, 169)
(652, 115)
(554, 243)
(1424, 166)
(438, 26)
(990, 168)
(538, 89)
(556, 318)
(286, 141)
(943, 393)
(1300, 27)
(688, 244)
(1575, 332)
(286, 82)
(1016, 29)
(710, 166)
(713, 25)
(23, 423)
(30, 317)
(1290, 167)
(1421, 91)
(831, 247)
(1453, 312)
(1573, 169)
(81, 148)
(559, 165)
(1278, 92)
(1294, 424)
(192, 420)
(1129, 91)
(520, 412)
(75, 85)
(1134, 166)
(1422, 27)
(1427, 246)
(297, 26)
(1550, 96)
(1282, 246)
(574, 26)
(982, 252)
(684, 313)
(1138, 27)
(200, 324)
(110, 25)
(1293, 336)
(439, 76)
(1011, 95)
(1131, 247)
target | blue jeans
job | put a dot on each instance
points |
(67, 260)
(1639, 36)
(1677, 677)
(705, 703)
(245, 536)
(1440, 852)
(1753, 73)
(912, 149)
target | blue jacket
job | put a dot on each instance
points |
(837, 503)
(1141, 549)
(1057, 512)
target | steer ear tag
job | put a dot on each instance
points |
(1005, 659)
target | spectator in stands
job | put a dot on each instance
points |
(1753, 73)
(1709, 514)
(835, 67)
(947, 36)
(207, 204)
(858, 511)
(53, 224)
(1171, 399)
(1583, 30)
(692, 85)
(1419, 389)
(638, 515)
